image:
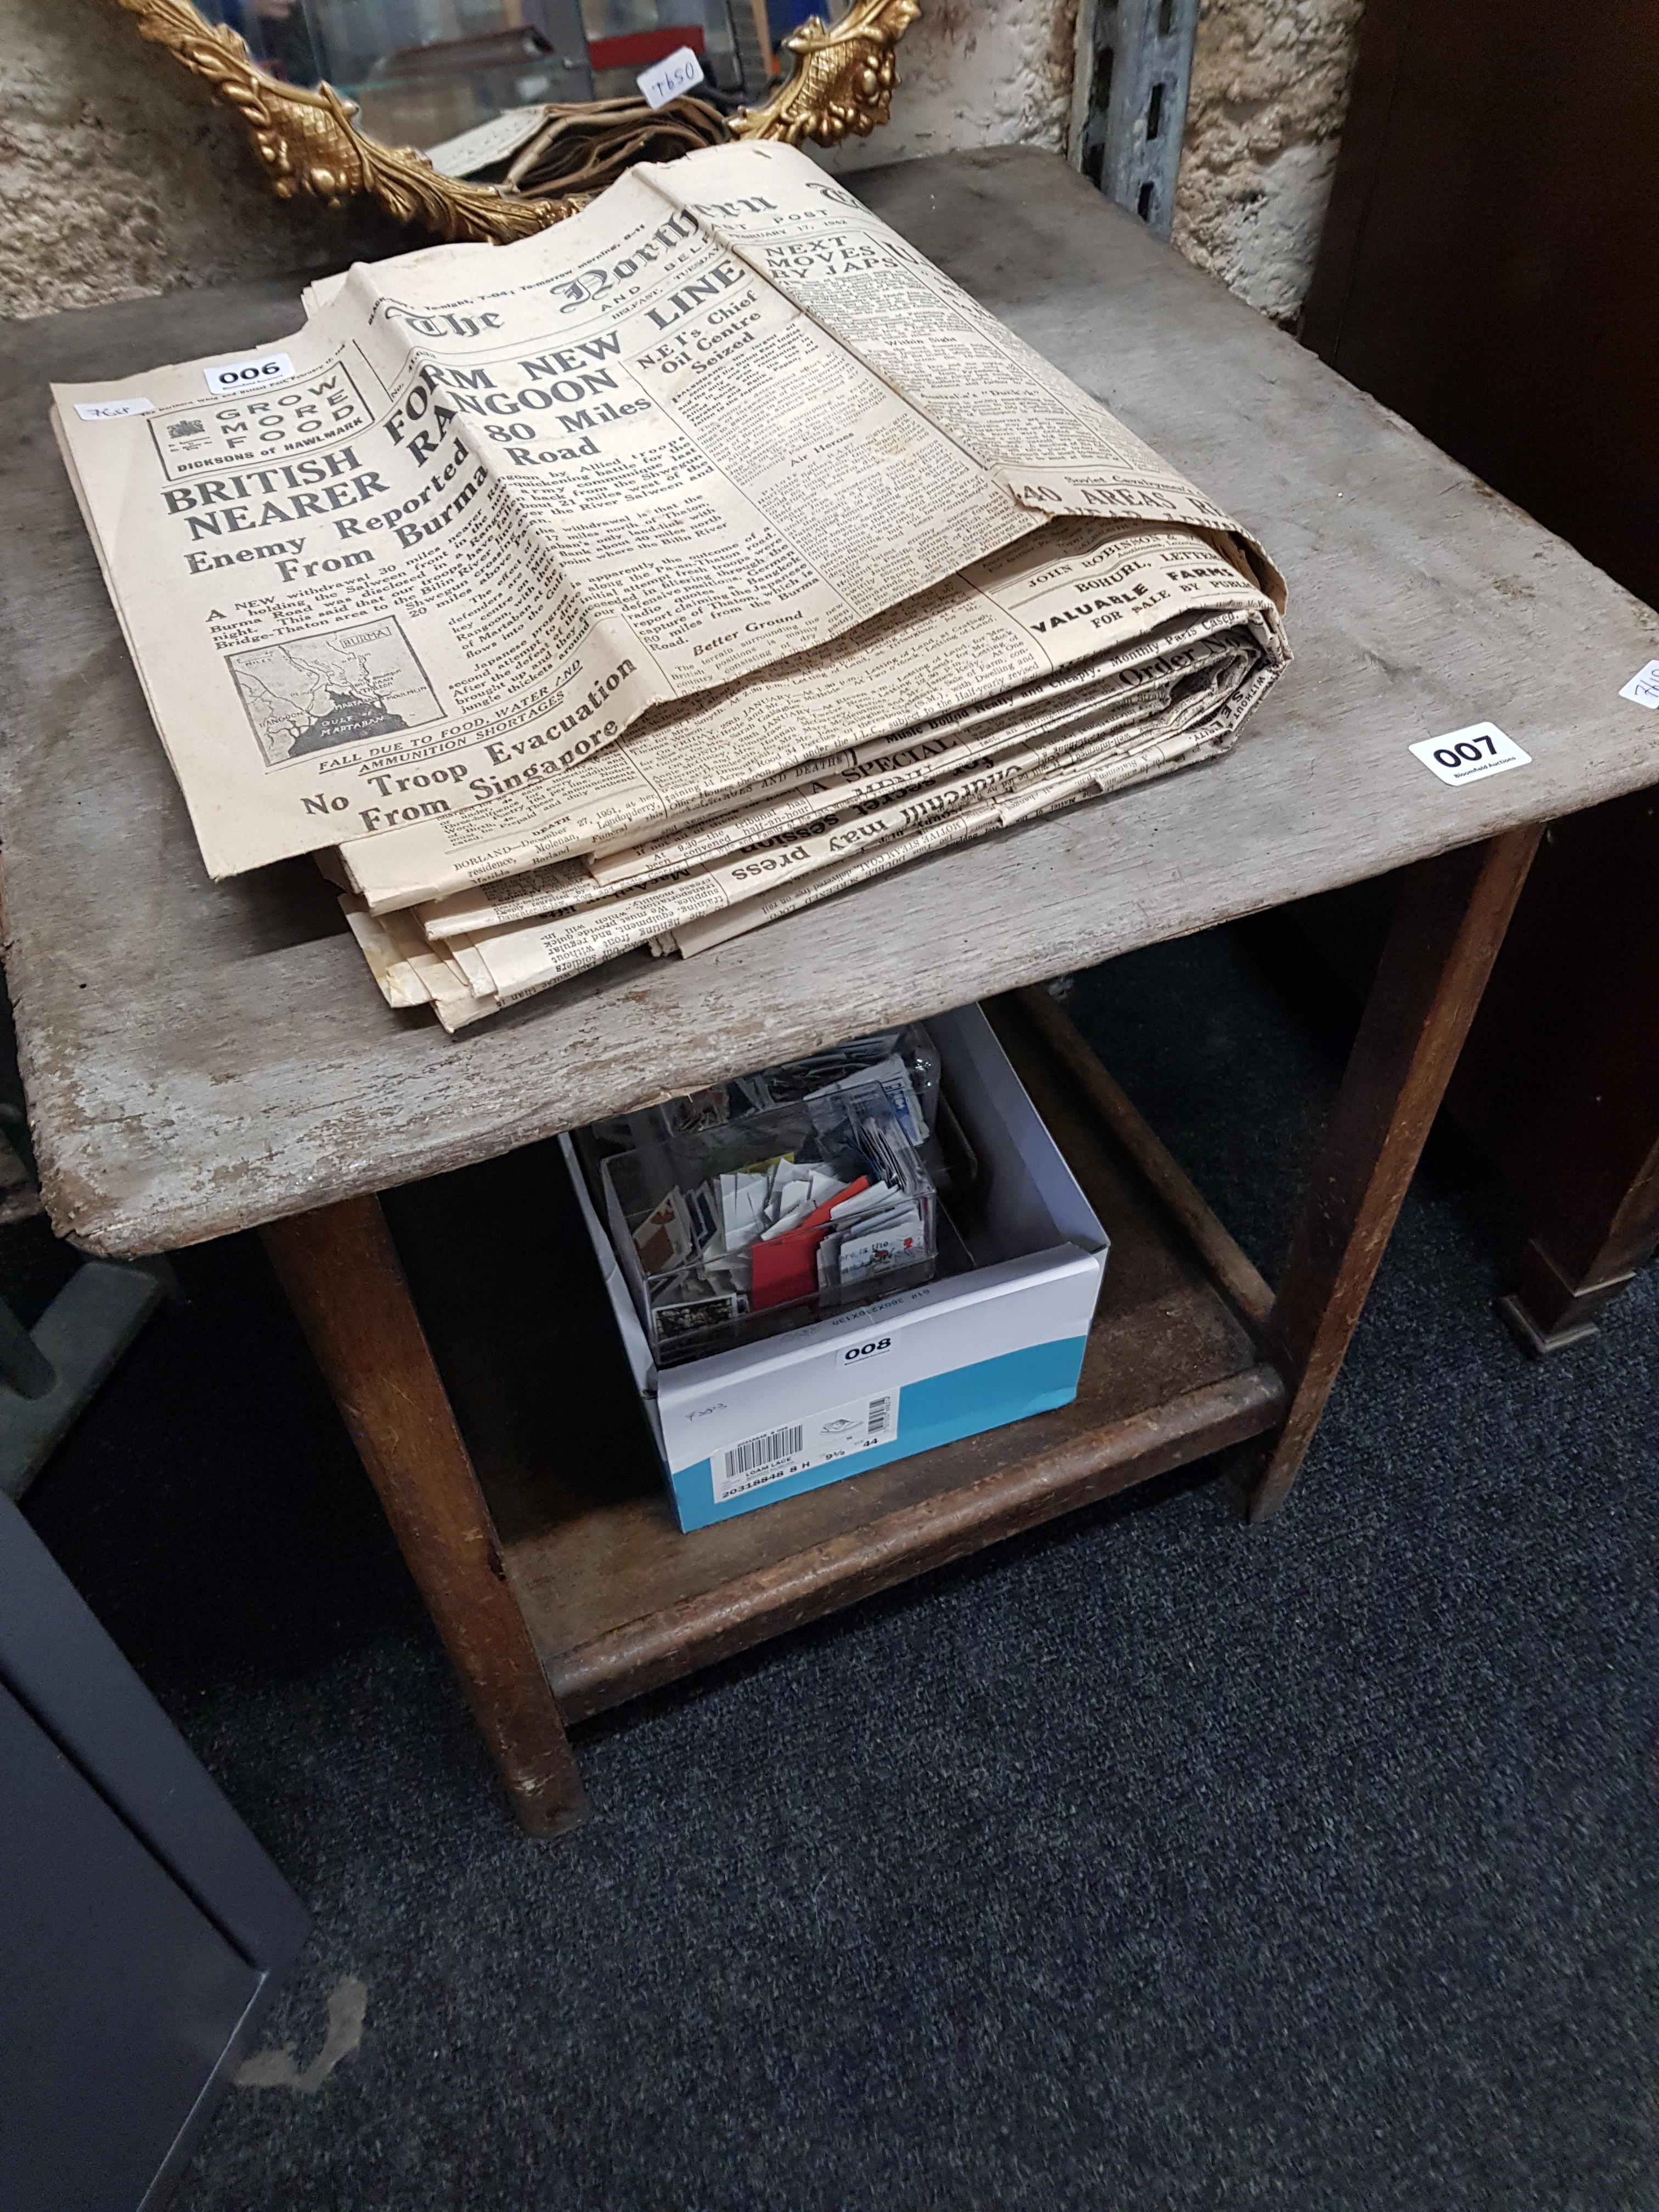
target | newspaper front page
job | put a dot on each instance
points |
(431, 556)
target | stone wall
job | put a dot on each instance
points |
(977, 73)
(119, 177)
(1270, 88)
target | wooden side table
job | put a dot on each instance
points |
(205, 1059)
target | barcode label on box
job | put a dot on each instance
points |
(793, 1447)
(764, 1451)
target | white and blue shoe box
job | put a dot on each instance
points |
(927, 1366)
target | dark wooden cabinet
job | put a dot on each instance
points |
(1487, 271)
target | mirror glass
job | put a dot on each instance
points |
(424, 71)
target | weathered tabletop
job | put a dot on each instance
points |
(202, 1058)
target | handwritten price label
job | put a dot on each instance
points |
(1642, 690)
(667, 79)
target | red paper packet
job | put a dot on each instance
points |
(788, 1267)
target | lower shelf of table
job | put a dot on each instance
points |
(616, 1599)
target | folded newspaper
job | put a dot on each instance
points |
(649, 579)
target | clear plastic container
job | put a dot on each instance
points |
(774, 1200)
(667, 1215)
(746, 1095)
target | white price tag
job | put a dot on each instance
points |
(1642, 688)
(249, 375)
(106, 410)
(667, 79)
(1465, 755)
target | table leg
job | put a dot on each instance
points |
(341, 1272)
(1577, 1259)
(1448, 925)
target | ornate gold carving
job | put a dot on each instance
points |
(308, 144)
(842, 84)
(843, 77)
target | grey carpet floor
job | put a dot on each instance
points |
(1146, 1863)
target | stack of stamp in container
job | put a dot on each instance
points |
(630, 586)
(792, 1192)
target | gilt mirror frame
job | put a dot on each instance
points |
(842, 86)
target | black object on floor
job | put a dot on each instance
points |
(1144, 1862)
(142, 1929)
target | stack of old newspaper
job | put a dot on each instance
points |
(639, 583)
